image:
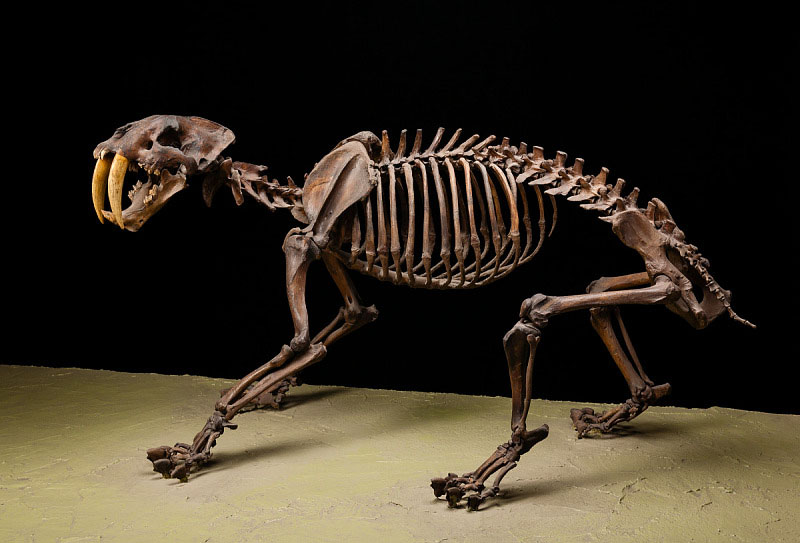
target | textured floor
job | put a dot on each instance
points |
(341, 464)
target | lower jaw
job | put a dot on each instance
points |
(146, 198)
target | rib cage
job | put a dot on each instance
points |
(490, 191)
(456, 216)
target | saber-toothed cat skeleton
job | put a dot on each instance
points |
(404, 213)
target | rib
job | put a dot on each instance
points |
(428, 236)
(501, 225)
(459, 247)
(409, 252)
(393, 224)
(370, 241)
(484, 228)
(383, 253)
(526, 220)
(491, 199)
(495, 240)
(542, 224)
(444, 217)
(513, 235)
(355, 237)
(473, 237)
(555, 214)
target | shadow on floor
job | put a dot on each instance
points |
(684, 447)
(678, 436)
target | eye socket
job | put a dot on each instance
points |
(169, 138)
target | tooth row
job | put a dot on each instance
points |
(151, 195)
(134, 190)
(152, 192)
(150, 169)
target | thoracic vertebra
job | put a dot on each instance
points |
(455, 215)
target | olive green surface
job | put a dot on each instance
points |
(345, 464)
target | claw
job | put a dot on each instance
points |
(503, 460)
(599, 426)
(585, 420)
(174, 462)
(438, 485)
(180, 472)
(474, 501)
(454, 495)
(163, 466)
(578, 416)
(157, 453)
(178, 461)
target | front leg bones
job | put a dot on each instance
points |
(178, 461)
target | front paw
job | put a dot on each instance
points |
(171, 462)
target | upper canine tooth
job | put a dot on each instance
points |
(115, 180)
(99, 180)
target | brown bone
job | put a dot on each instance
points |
(365, 201)
(166, 149)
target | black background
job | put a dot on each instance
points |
(690, 105)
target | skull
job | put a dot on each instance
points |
(161, 152)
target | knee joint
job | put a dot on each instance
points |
(522, 328)
(533, 310)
